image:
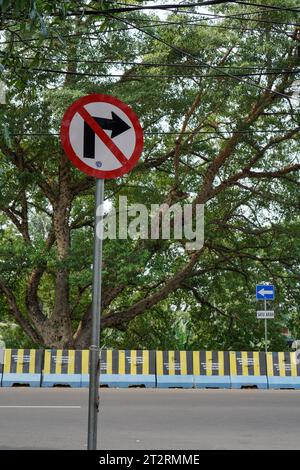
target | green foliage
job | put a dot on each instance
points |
(14, 337)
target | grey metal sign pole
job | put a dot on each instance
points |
(94, 363)
(266, 329)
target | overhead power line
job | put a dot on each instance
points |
(195, 22)
(166, 7)
(204, 16)
(155, 76)
(240, 17)
(169, 23)
(164, 64)
(160, 24)
(268, 6)
(259, 67)
(188, 54)
(178, 6)
(221, 133)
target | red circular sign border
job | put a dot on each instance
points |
(67, 146)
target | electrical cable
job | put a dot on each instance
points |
(177, 7)
(136, 76)
(263, 131)
(187, 54)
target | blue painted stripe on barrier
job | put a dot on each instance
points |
(175, 381)
(214, 381)
(33, 380)
(239, 381)
(84, 380)
(284, 382)
(51, 380)
(122, 380)
(127, 380)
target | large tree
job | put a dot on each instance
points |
(221, 128)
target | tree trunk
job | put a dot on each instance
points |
(57, 330)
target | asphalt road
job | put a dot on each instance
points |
(151, 419)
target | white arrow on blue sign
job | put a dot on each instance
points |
(264, 292)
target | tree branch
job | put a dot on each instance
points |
(15, 311)
(119, 319)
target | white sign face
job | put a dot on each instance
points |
(89, 146)
(102, 136)
(265, 314)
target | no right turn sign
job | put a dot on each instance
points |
(102, 136)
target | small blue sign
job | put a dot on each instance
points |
(265, 292)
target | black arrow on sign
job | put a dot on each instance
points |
(116, 125)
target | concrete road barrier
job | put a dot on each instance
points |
(211, 369)
(64, 368)
(22, 367)
(143, 368)
(174, 369)
(283, 370)
(248, 369)
(127, 368)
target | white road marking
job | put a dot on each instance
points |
(42, 406)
